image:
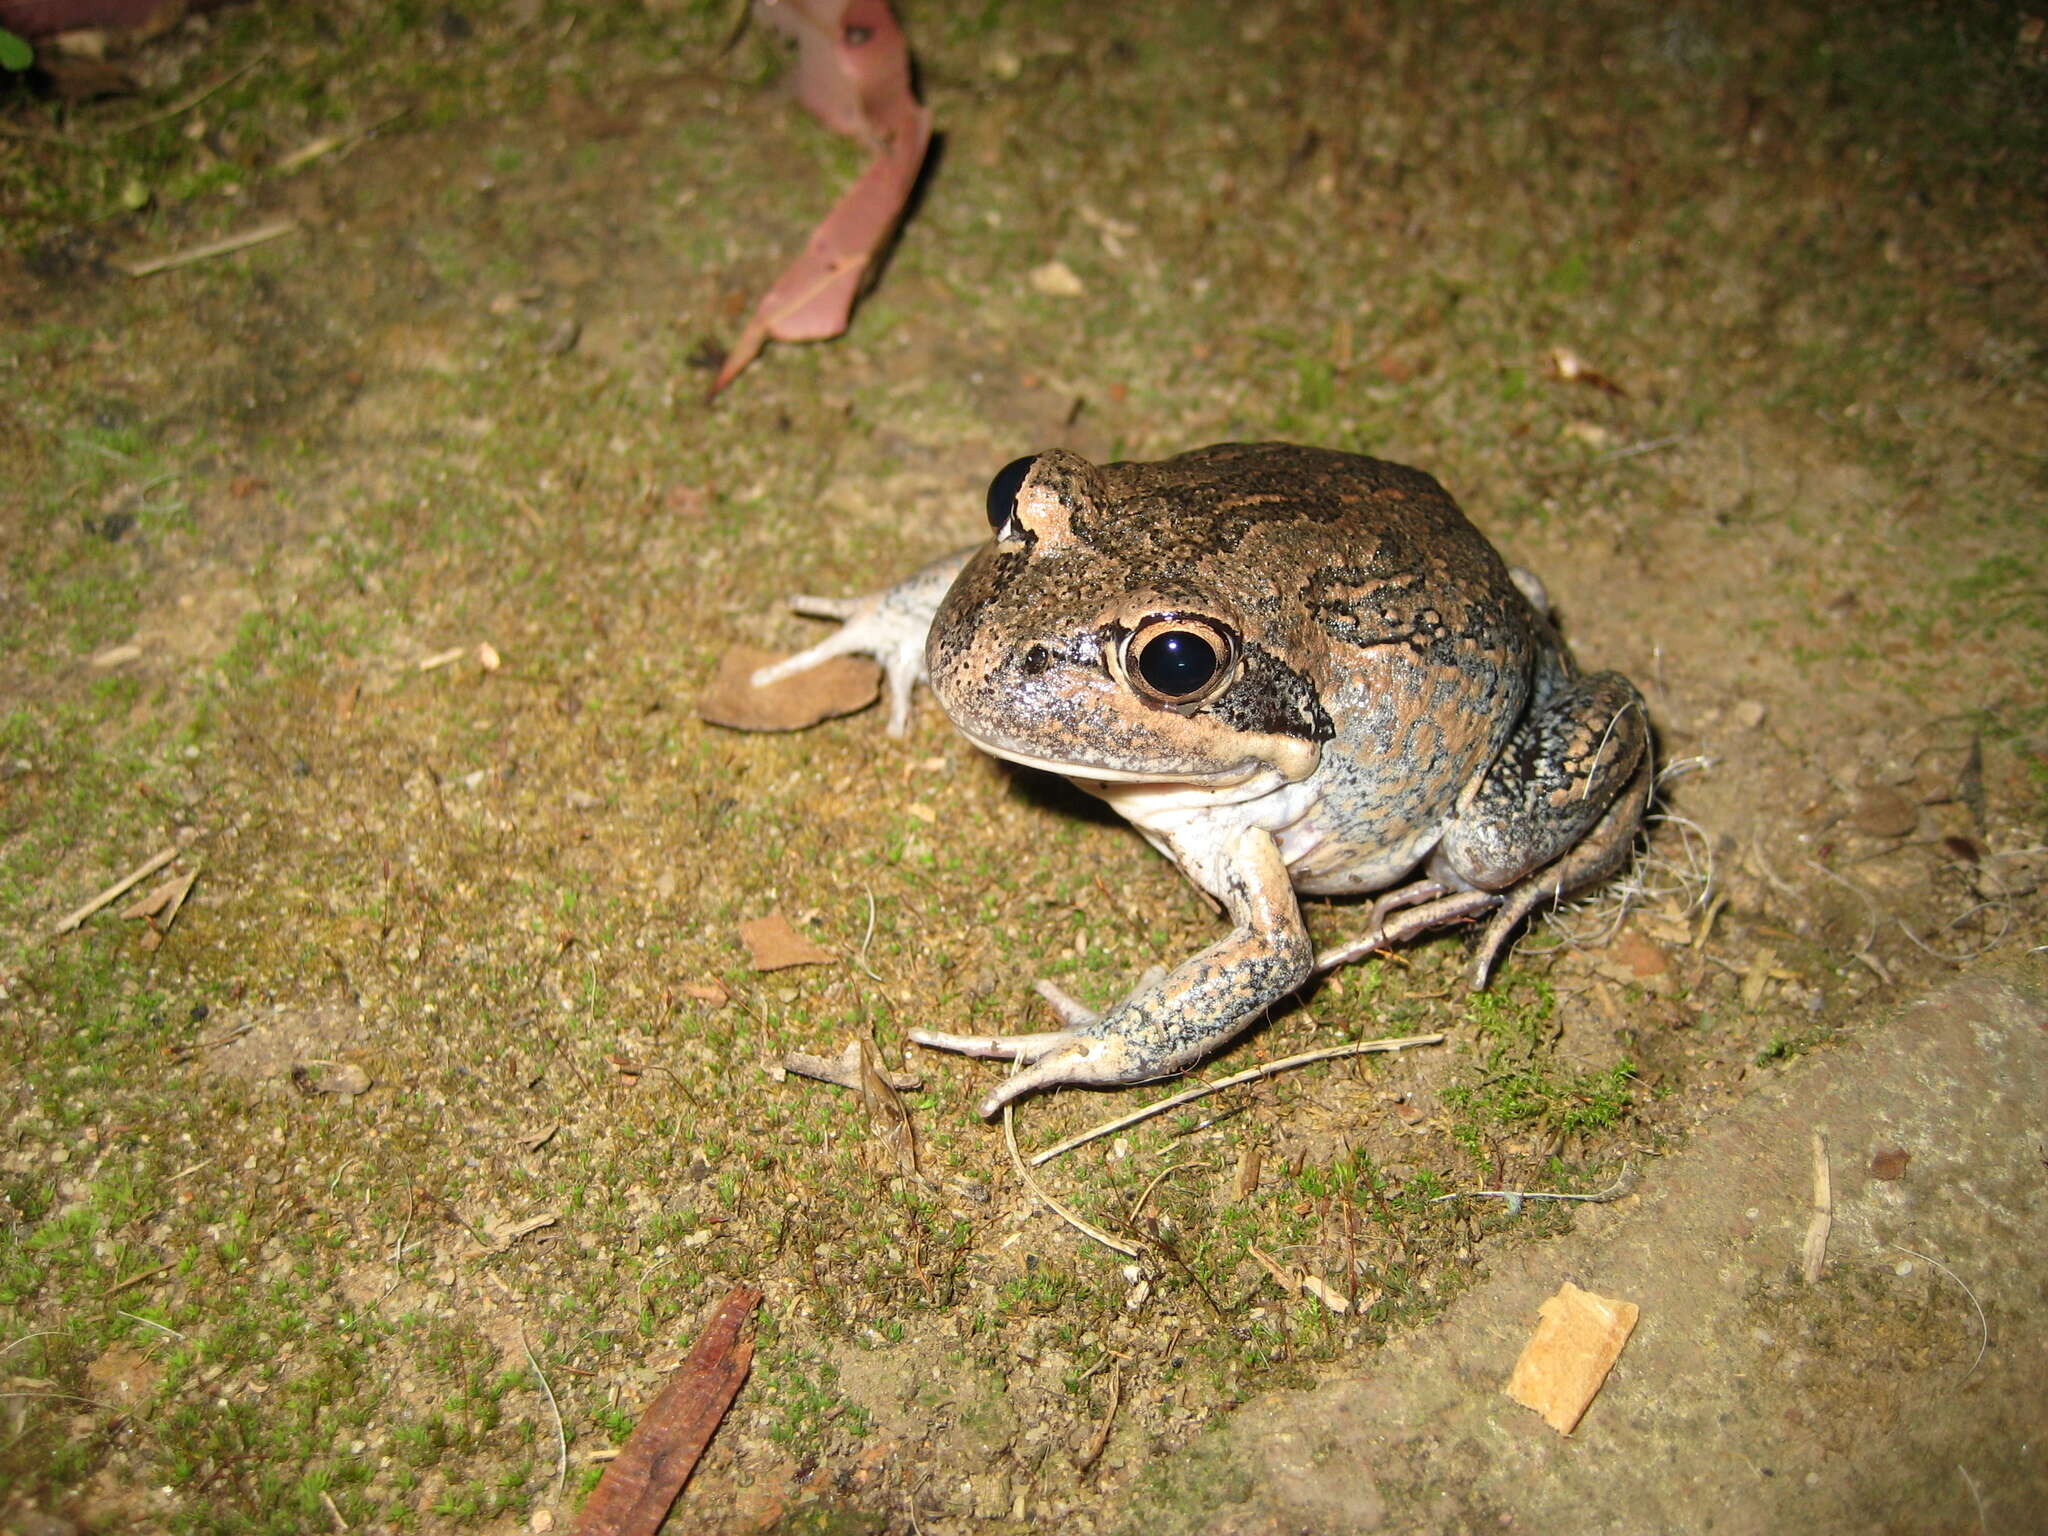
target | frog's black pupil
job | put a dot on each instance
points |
(1002, 491)
(1177, 663)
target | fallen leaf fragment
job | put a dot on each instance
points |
(1056, 280)
(1295, 1281)
(1576, 1342)
(709, 993)
(501, 1233)
(161, 906)
(832, 688)
(774, 945)
(891, 1119)
(634, 1495)
(1568, 367)
(1889, 1163)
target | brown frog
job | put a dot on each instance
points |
(1293, 670)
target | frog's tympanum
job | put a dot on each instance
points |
(1292, 670)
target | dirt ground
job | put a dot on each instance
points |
(376, 570)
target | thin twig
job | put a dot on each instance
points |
(1983, 1328)
(1270, 1069)
(1976, 1498)
(561, 1435)
(226, 246)
(1624, 1183)
(186, 104)
(141, 872)
(45, 1333)
(134, 1280)
(1097, 1445)
(149, 1322)
(1046, 1196)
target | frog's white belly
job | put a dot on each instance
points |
(1197, 828)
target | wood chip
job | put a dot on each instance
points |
(119, 888)
(634, 1495)
(774, 945)
(832, 688)
(1814, 1255)
(1576, 1342)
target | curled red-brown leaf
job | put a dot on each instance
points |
(853, 73)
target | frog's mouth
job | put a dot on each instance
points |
(1250, 776)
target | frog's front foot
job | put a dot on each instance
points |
(870, 626)
(1058, 1059)
(890, 626)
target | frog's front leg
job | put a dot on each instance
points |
(890, 625)
(1558, 810)
(1169, 1024)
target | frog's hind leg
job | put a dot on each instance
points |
(1599, 854)
(1558, 810)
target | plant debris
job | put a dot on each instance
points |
(773, 945)
(853, 73)
(634, 1495)
(832, 688)
(1567, 1358)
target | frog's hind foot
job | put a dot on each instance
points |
(1605, 849)
(1428, 906)
(1060, 1059)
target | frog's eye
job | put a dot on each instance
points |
(1178, 661)
(1002, 491)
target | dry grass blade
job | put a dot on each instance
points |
(1983, 1327)
(134, 876)
(1051, 1201)
(633, 1497)
(1270, 1069)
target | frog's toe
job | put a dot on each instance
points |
(1092, 1061)
(1073, 1013)
(1077, 1015)
(1409, 922)
(1003, 1047)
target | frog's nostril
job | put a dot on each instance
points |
(1036, 659)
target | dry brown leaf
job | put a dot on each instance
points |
(892, 1121)
(709, 993)
(836, 687)
(772, 944)
(1566, 1360)
(853, 73)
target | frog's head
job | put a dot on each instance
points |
(1106, 633)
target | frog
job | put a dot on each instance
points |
(1296, 672)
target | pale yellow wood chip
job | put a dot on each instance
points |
(1576, 1343)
